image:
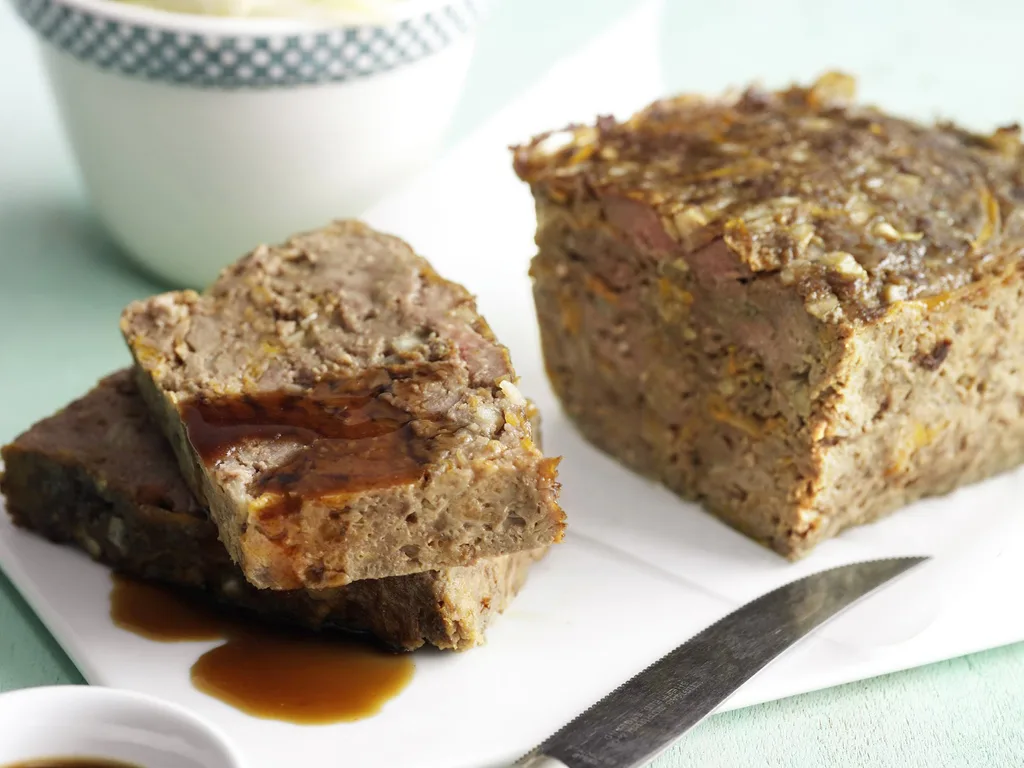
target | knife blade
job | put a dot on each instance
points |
(642, 717)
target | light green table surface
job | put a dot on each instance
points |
(62, 285)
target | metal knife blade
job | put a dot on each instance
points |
(642, 717)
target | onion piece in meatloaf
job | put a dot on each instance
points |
(345, 413)
(99, 475)
(802, 312)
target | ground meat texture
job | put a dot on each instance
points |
(98, 475)
(801, 312)
(345, 413)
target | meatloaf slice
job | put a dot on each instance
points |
(98, 474)
(345, 413)
(802, 312)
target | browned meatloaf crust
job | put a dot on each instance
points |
(99, 475)
(801, 312)
(345, 413)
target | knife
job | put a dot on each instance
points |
(644, 716)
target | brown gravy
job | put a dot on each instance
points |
(301, 679)
(160, 613)
(290, 676)
(71, 762)
(350, 441)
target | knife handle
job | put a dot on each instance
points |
(541, 761)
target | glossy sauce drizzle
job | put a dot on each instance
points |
(290, 676)
(301, 679)
(350, 441)
(159, 613)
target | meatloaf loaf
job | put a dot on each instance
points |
(98, 474)
(802, 312)
(345, 413)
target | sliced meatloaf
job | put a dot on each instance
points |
(802, 312)
(345, 413)
(99, 475)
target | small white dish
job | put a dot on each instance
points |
(80, 721)
(201, 137)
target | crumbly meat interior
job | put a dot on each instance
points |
(99, 476)
(345, 413)
(798, 311)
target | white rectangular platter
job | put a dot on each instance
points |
(640, 571)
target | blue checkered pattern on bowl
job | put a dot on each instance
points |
(247, 61)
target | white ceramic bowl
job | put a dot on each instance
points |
(201, 137)
(105, 723)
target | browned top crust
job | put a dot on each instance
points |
(856, 208)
